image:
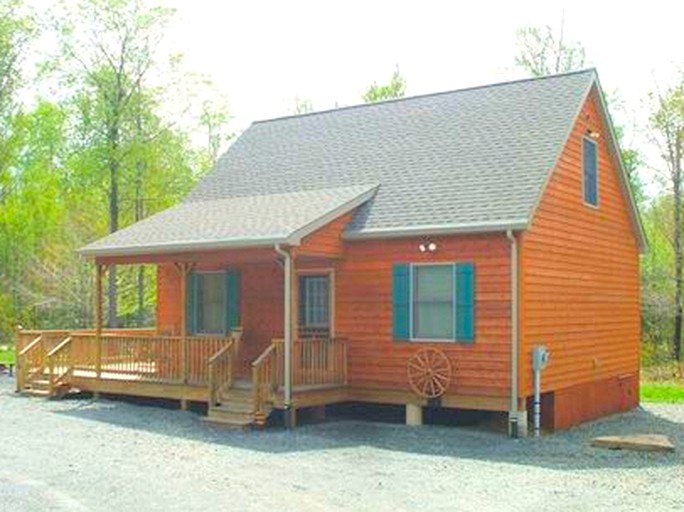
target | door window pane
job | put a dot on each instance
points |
(314, 301)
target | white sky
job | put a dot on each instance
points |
(263, 54)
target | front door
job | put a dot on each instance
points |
(314, 306)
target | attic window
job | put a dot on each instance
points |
(590, 171)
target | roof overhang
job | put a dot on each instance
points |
(290, 237)
(455, 229)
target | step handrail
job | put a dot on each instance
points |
(22, 357)
(60, 355)
(264, 380)
(28, 348)
(220, 369)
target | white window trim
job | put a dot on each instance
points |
(412, 338)
(330, 272)
(596, 153)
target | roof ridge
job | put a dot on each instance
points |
(427, 95)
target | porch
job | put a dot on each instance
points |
(186, 368)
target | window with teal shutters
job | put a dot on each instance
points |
(232, 299)
(401, 301)
(434, 302)
(464, 286)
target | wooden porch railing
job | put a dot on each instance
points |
(315, 361)
(125, 355)
(319, 362)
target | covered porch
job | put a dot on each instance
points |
(244, 330)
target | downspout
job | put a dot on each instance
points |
(513, 427)
(287, 327)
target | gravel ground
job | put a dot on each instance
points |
(78, 454)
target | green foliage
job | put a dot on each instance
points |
(57, 158)
(396, 88)
(541, 52)
(662, 392)
(7, 355)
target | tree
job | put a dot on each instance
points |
(114, 56)
(668, 124)
(17, 29)
(541, 52)
(395, 88)
(302, 106)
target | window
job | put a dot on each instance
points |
(590, 171)
(213, 302)
(314, 301)
(433, 302)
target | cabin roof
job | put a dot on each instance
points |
(470, 160)
(234, 222)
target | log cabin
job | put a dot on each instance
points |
(416, 251)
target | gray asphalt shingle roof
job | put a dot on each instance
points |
(234, 221)
(469, 158)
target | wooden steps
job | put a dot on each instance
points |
(41, 388)
(236, 409)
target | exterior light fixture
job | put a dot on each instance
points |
(428, 247)
(593, 134)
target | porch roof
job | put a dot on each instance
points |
(247, 221)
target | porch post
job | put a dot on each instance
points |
(184, 270)
(100, 270)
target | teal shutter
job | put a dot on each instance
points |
(191, 304)
(232, 299)
(401, 301)
(464, 289)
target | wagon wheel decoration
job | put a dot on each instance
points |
(429, 373)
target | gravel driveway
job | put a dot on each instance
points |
(77, 454)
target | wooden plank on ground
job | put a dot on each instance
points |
(639, 442)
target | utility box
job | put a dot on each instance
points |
(540, 357)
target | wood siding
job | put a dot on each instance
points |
(261, 298)
(327, 241)
(580, 272)
(364, 313)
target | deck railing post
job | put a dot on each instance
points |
(184, 269)
(99, 274)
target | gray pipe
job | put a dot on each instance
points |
(287, 335)
(513, 413)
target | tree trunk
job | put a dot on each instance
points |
(677, 190)
(139, 215)
(112, 306)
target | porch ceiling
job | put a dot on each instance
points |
(237, 222)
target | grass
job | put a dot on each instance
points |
(665, 392)
(7, 355)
